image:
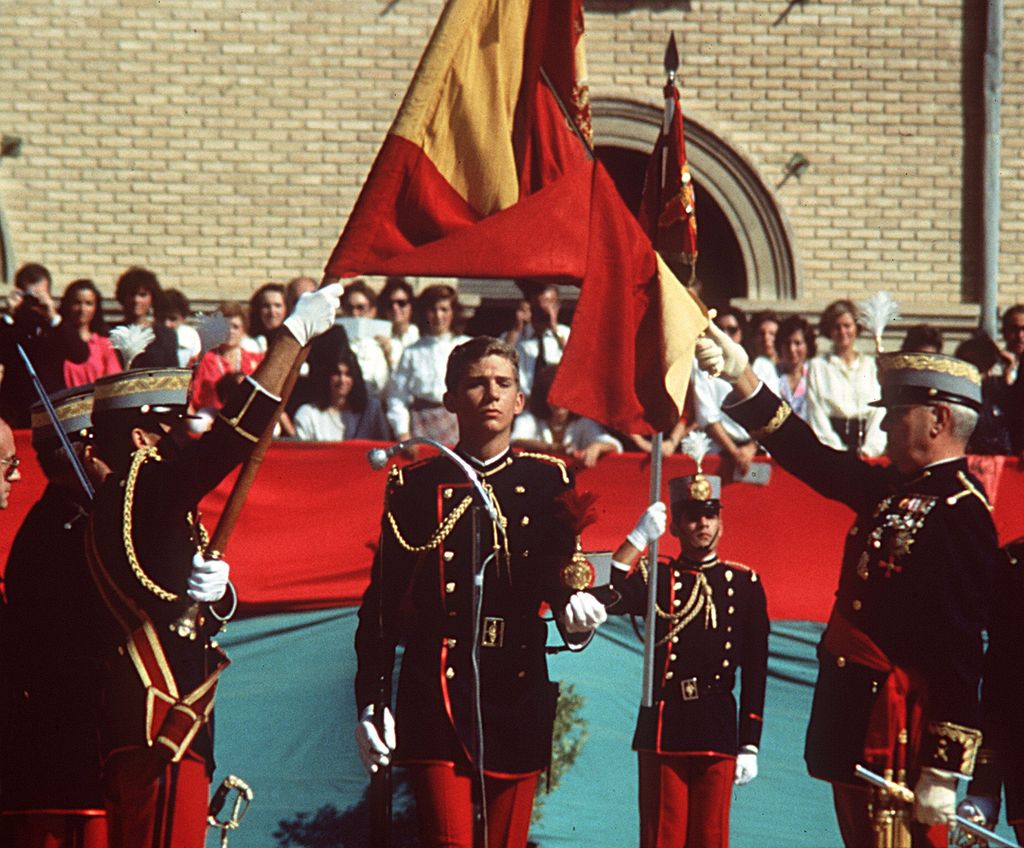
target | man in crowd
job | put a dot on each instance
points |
(903, 647)
(50, 765)
(546, 341)
(712, 621)
(164, 593)
(421, 591)
(31, 321)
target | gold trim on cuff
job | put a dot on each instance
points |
(777, 420)
(948, 734)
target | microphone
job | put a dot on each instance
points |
(378, 457)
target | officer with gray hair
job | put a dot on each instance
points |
(901, 659)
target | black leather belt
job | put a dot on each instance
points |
(851, 431)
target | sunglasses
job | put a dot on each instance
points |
(402, 303)
(10, 467)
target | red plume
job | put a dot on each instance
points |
(578, 508)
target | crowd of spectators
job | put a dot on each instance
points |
(379, 374)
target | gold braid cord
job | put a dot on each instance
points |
(701, 599)
(439, 535)
(141, 457)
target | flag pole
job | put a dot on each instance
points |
(671, 64)
(652, 582)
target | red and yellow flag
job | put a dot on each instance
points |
(667, 209)
(486, 172)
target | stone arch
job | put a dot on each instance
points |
(761, 233)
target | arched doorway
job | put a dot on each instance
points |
(744, 242)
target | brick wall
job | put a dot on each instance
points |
(222, 142)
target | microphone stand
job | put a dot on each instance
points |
(377, 458)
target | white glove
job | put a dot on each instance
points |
(583, 613)
(720, 356)
(314, 313)
(209, 579)
(982, 809)
(650, 526)
(374, 751)
(746, 765)
(935, 798)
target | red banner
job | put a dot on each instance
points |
(309, 528)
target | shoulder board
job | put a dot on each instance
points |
(553, 460)
(968, 489)
(396, 477)
(738, 566)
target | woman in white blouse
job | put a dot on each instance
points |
(417, 388)
(841, 385)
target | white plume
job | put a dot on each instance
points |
(876, 312)
(130, 340)
(696, 445)
(213, 331)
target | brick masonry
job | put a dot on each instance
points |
(223, 142)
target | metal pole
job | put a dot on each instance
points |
(647, 699)
(992, 86)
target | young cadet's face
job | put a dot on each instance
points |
(487, 399)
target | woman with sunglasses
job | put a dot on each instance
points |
(394, 304)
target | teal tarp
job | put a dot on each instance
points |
(285, 714)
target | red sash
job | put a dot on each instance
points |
(172, 720)
(894, 728)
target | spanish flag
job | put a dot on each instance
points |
(487, 172)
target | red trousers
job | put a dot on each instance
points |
(54, 829)
(444, 806)
(684, 800)
(153, 803)
(857, 829)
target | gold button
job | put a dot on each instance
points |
(728, 576)
(675, 640)
(753, 576)
(728, 629)
(525, 520)
(678, 602)
(521, 674)
(731, 610)
(449, 673)
(525, 553)
(452, 613)
(725, 663)
(449, 556)
(730, 591)
(672, 657)
(449, 492)
(728, 646)
(857, 605)
(669, 675)
(875, 543)
(449, 587)
(520, 490)
(841, 662)
(677, 585)
(450, 642)
(853, 530)
(718, 677)
(120, 650)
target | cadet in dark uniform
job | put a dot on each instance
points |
(1001, 760)
(50, 761)
(900, 661)
(712, 622)
(145, 546)
(421, 590)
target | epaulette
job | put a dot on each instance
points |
(968, 489)
(554, 460)
(738, 566)
(396, 478)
